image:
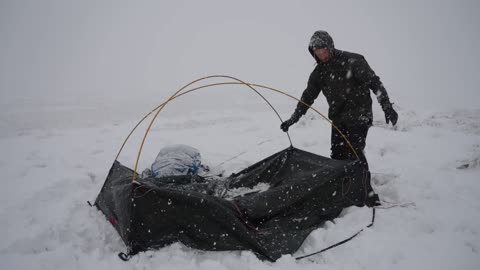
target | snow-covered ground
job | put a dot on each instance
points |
(76, 76)
(429, 164)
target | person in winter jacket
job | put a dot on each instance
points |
(345, 79)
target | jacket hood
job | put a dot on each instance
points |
(321, 39)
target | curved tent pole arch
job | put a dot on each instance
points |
(178, 93)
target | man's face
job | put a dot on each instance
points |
(323, 54)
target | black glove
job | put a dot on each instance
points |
(293, 119)
(390, 114)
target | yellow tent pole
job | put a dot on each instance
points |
(250, 85)
(171, 98)
(156, 108)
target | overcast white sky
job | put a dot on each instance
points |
(89, 52)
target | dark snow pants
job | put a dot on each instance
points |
(357, 136)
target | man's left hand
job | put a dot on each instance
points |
(390, 115)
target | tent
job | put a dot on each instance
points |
(303, 191)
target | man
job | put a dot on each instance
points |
(345, 79)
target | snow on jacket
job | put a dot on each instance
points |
(345, 80)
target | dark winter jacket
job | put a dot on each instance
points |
(345, 80)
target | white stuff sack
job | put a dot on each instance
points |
(177, 159)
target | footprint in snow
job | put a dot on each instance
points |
(98, 151)
(472, 246)
(40, 165)
(380, 179)
(384, 185)
(92, 177)
(469, 163)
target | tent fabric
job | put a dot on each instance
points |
(304, 190)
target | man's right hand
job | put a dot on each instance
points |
(285, 125)
(293, 119)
